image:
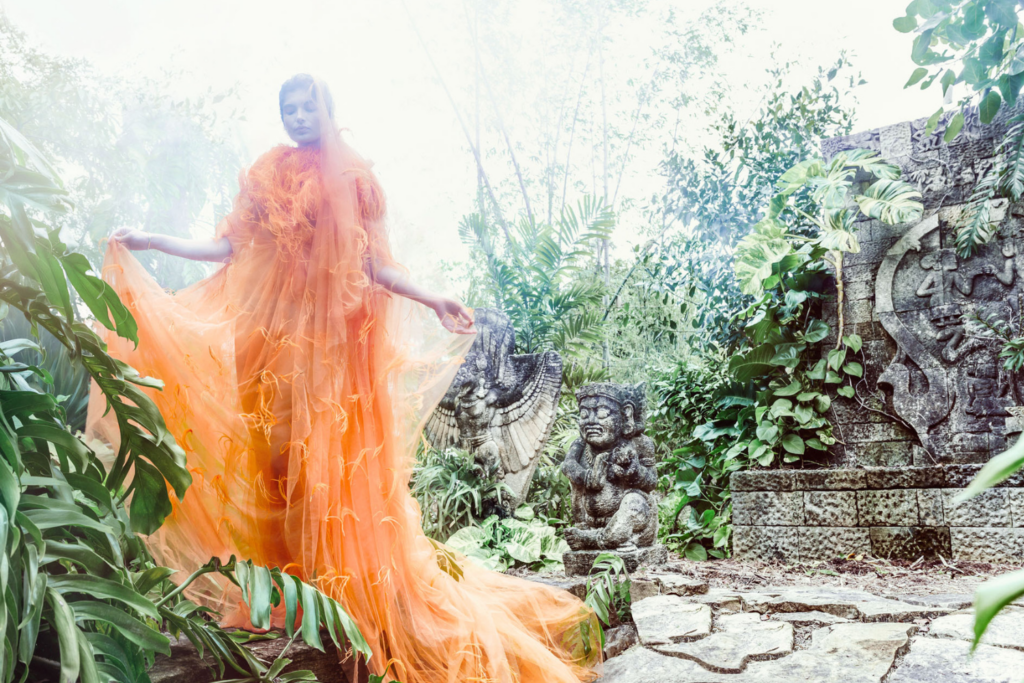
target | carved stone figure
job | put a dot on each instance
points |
(611, 469)
(500, 407)
(947, 379)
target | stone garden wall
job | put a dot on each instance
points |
(893, 513)
(934, 402)
(933, 393)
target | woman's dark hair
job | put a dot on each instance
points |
(304, 82)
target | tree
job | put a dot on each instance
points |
(132, 155)
(978, 44)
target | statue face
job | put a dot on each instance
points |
(600, 421)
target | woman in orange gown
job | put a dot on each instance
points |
(297, 379)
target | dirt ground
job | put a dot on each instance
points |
(880, 577)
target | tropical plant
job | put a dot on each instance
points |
(720, 193)
(523, 540)
(70, 381)
(978, 44)
(995, 594)
(608, 586)
(453, 492)
(781, 380)
(542, 277)
(81, 594)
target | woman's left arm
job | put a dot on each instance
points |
(454, 316)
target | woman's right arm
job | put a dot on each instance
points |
(196, 250)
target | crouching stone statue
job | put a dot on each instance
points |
(612, 471)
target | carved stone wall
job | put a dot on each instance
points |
(934, 391)
(935, 401)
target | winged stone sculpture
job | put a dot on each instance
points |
(500, 407)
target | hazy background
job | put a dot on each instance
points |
(399, 116)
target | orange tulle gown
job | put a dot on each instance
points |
(298, 388)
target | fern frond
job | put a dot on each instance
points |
(1011, 179)
(975, 226)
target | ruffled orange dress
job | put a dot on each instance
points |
(298, 388)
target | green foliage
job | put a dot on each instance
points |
(997, 593)
(720, 194)
(452, 492)
(524, 540)
(977, 43)
(538, 275)
(773, 405)
(550, 494)
(70, 381)
(608, 589)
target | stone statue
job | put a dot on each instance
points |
(500, 407)
(611, 469)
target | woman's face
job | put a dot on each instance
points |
(300, 117)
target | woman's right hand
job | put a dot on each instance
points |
(136, 240)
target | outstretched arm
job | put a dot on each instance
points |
(196, 250)
(454, 316)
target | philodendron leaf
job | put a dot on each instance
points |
(150, 502)
(793, 444)
(67, 636)
(792, 388)
(954, 127)
(891, 201)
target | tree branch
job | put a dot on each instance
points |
(462, 123)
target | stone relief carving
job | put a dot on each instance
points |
(612, 471)
(500, 407)
(947, 380)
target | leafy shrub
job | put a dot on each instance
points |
(520, 541)
(782, 381)
(59, 375)
(608, 589)
(452, 492)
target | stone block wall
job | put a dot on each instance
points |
(933, 391)
(893, 513)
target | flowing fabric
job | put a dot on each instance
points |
(298, 387)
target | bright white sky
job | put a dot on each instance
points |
(400, 117)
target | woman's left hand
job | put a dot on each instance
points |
(454, 316)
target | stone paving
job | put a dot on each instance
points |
(695, 634)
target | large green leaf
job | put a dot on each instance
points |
(67, 637)
(150, 504)
(992, 596)
(98, 587)
(755, 363)
(758, 252)
(125, 624)
(891, 201)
